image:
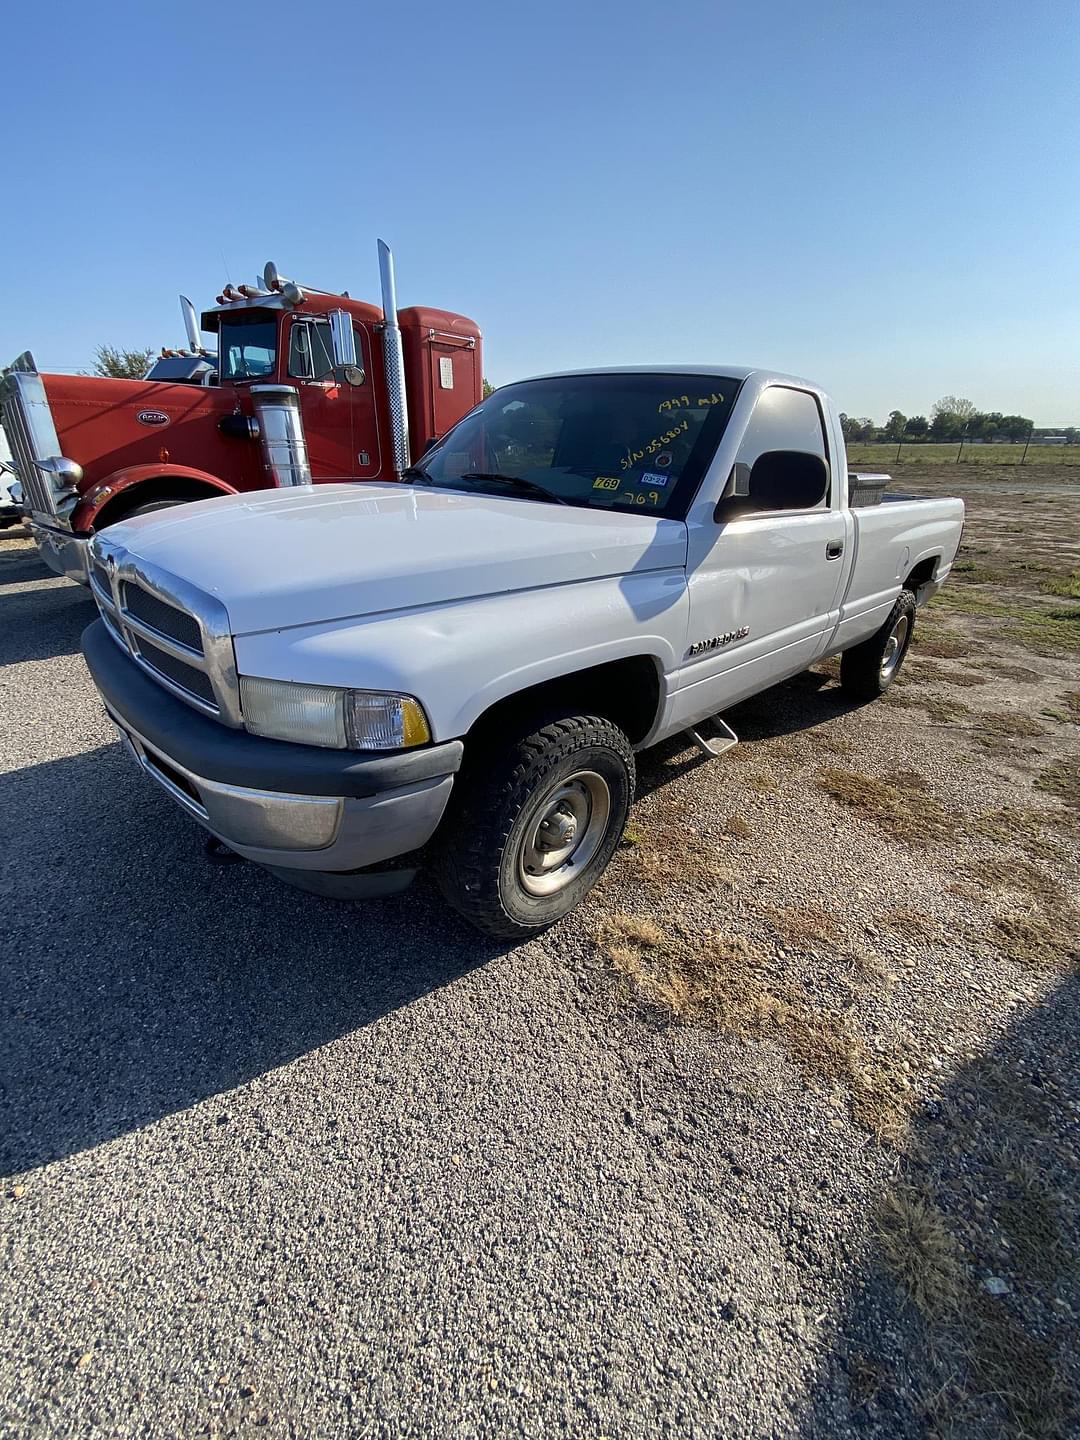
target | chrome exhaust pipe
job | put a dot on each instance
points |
(281, 429)
(394, 361)
(191, 324)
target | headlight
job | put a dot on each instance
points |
(323, 715)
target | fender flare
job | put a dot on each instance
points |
(103, 492)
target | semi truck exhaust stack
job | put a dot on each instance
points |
(394, 361)
(191, 325)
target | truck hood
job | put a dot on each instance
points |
(300, 557)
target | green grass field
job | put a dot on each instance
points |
(885, 455)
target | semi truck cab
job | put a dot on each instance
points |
(312, 387)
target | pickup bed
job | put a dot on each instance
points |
(342, 683)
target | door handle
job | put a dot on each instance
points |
(834, 549)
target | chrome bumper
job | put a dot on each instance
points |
(298, 832)
(63, 553)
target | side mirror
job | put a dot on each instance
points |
(778, 480)
(738, 484)
(342, 338)
(350, 374)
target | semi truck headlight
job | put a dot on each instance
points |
(324, 715)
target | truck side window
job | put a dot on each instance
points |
(786, 435)
(311, 355)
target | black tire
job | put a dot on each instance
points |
(489, 843)
(149, 506)
(867, 670)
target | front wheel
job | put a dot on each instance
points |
(150, 506)
(867, 670)
(533, 827)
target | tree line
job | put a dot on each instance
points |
(952, 418)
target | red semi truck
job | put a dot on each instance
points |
(312, 387)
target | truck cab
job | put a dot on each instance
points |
(312, 387)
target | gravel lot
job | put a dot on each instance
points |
(777, 1136)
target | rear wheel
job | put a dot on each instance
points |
(867, 670)
(531, 831)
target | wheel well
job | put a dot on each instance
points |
(161, 487)
(922, 574)
(624, 691)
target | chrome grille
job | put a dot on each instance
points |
(187, 677)
(28, 424)
(163, 618)
(174, 632)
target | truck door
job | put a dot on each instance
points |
(766, 583)
(339, 419)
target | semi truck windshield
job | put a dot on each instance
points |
(248, 347)
(618, 441)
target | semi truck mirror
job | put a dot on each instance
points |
(352, 374)
(342, 338)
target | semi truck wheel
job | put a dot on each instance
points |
(867, 670)
(533, 827)
(165, 503)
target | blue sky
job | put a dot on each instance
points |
(885, 198)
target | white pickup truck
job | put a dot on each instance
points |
(341, 682)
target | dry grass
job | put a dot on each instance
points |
(938, 642)
(737, 827)
(899, 803)
(920, 1250)
(1067, 585)
(1042, 938)
(722, 981)
(1023, 828)
(997, 872)
(1018, 673)
(763, 784)
(1062, 778)
(1070, 703)
(667, 852)
(943, 708)
(912, 924)
(1009, 722)
(807, 928)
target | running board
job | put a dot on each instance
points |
(724, 741)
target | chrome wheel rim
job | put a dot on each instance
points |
(564, 832)
(894, 647)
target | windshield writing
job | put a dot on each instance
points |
(605, 441)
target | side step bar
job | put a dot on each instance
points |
(723, 741)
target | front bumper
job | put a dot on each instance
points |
(63, 552)
(289, 807)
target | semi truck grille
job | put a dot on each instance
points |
(28, 424)
(163, 618)
(174, 632)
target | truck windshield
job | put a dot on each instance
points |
(606, 441)
(248, 346)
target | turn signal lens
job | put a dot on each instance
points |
(384, 722)
(324, 715)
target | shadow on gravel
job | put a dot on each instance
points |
(962, 1322)
(139, 978)
(44, 621)
(797, 704)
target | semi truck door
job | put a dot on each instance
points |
(765, 584)
(339, 419)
